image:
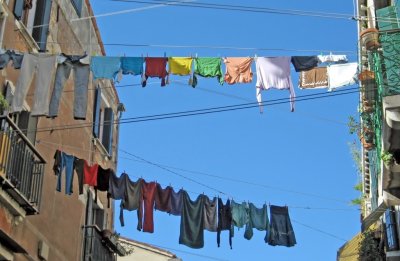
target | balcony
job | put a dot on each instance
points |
(100, 247)
(21, 170)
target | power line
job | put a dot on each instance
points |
(242, 8)
(203, 111)
(242, 181)
(319, 230)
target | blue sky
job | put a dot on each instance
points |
(300, 159)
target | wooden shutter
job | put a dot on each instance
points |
(42, 17)
(19, 8)
(108, 129)
(96, 112)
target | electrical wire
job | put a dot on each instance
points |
(201, 111)
(242, 8)
(257, 184)
(319, 230)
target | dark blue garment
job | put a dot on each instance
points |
(280, 229)
(8, 56)
(176, 202)
(304, 63)
(224, 220)
(132, 65)
(67, 162)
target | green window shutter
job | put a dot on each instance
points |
(96, 112)
(108, 127)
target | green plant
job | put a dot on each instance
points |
(369, 249)
(3, 103)
(354, 126)
(387, 158)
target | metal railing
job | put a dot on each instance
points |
(21, 167)
(95, 247)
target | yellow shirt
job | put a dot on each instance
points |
(180, 65)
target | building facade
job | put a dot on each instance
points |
(36, 221)
(379, 131)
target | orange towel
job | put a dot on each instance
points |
(238, 70)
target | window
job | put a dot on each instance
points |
(35, 14)
(103, 121)
(391, 231)
(78, 6)
(25, 122)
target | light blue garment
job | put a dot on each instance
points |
(105, 67)
(132, 65)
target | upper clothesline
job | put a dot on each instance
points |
(318, 71)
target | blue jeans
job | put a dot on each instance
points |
(81, 73)
(67, 162)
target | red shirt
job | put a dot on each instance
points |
(90, 174)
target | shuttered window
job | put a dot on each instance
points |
(96, 112)
(391, 231)
(108, 126)
(42, 19)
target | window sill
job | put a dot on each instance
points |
(102, 149)
(33, 46)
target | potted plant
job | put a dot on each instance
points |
(390, 160)
(367, 106)
(365, 133)
(366, 76)
(370, 38)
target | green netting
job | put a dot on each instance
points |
(377, 117)
(390, 42)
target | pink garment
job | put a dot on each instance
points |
(238, 70)
(274, 72)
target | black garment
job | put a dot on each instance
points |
(74, 58)
(192, 221)
(163, 198)
(103, 182)
(224, 220)
(304, 63)
(280, 228)
(79, 169)
(57, 162)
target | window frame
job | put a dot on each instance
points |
(77, 4)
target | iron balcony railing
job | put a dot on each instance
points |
(95, 247)
(21, 167)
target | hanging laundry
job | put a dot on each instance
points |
(210, 214)
(280, 229)
(341, 75)
(118, 185)
(258, 219)
(86, 174)
(224, 220)
(147, 206)
(105, 67)
(314, 78)
(180, 66)
(332, 58)
(176, 202)
(10, 55)
(44, 65)
(103, 182)
(81, 69)
(64, 161)
(238, 70)
(132, 65)
(304, 63)
(155, 67)
(131, 201)
(192, 221)
(163, 198)
(208, 67)
(240, 215)
(274, 72)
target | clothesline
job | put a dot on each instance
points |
(272, 72)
